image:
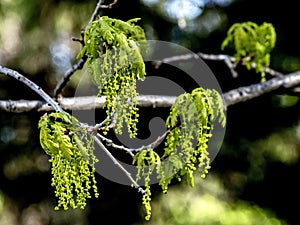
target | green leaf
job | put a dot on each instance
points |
(113, 50)
(196, 112)
(72, 159)
(252, 43)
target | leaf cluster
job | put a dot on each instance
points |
(191, 124)
(113, 48)
(252, 43)
(71, 151)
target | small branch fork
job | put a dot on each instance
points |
(116, 162)
(31, 85)
(227, 59)
(130, 151)
(57, 108)
(63, 82)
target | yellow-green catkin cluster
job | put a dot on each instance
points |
(147, 161)
(72, 156)
(191, 118)
(114, 54)
(252, 43)
(190, 123)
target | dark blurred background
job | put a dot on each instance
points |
(255, 177)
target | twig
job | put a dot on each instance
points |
(115, 161)
(227, 59)
(131, 150)
(79, 65)
(64, 80)
(109, 6)
(230, 63)
(151, 145)
(246, 93)
(184, 57)
(95, 13)
(269, 71)
(99, 125)
(33, 86)
(93, 17)
(109, 142)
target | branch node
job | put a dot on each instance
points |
(80, 40)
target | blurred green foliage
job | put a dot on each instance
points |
(31, 27)
(252, 43)
(254, 178)
(209, 204)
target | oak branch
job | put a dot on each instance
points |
(92, 102)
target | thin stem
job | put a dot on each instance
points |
(99, 125)
(131, 150)
(79, 65)
(64, 80)
(109, 142)
(227, 59)
(109, 6)
(33, 86)
(116, 162)
(153, 144)
(96, 12)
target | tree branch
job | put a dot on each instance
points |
(130, 151)
(64, 80)
(32, 85)
(81, 103)
(116, 162)
(110, 142)
(246, 93)
(79, 65)
(92, 102)
(95, 13)
(230, 63)
(227, 59)
(290, 82)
